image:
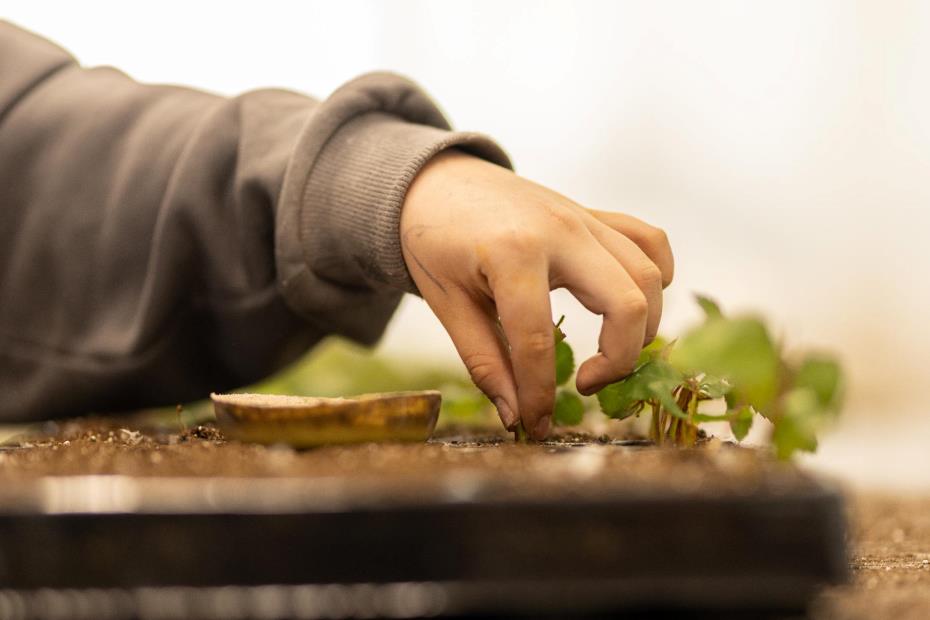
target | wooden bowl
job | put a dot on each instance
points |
(304, 421)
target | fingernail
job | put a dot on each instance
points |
(542, 428)
(591, 389)
(508, 417)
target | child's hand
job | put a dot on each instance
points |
(481, 243)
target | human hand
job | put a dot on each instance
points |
(482, 243)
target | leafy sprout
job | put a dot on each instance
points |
(569, 408)
(730, 358)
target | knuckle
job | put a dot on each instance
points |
(657, 238)
(482, 368)
(567, 220)
(522, 242)
(657, 242)
(539, 342)
(649, 277)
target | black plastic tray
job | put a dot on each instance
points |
(110, 546)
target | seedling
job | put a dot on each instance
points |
(730, 359)
(569, 408)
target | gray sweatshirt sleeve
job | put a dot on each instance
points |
(157, 242)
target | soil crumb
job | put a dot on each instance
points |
(205, 432)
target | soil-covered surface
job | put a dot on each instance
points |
(584, 460)
(890, 536)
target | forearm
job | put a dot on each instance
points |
(158, 242)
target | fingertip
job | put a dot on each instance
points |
(590, 378)
(541, 430)
(592, 389)
(506, 413)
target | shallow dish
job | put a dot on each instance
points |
(304, 421)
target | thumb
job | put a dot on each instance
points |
(479, 344)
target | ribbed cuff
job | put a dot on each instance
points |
(351, 221)
(338, 224)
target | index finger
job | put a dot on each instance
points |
(521, 293)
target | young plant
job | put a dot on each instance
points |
(734, 359)
(569, 408)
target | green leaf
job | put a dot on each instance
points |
(658, 348)
(730, 399)
(620, 400)
(557, 328)
(796, 428)
(709, 306)
(711, 417)
(741, 422)
(653, 380)
(714, 387)
(564, 362)
(564, 356)
(824, 376)
(569, 408)
(667, 399)
(739, 350)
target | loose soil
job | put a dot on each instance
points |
(890, 536)
(90, 449)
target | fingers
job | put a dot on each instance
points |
(651, 240)
(475, 336)
(520, 285)
(595, 277)
(644, 272)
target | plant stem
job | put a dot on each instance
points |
(655, 427)
(692, 411)
(178, 410)
(684, 428)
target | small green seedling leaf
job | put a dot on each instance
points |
(714, 387)
(741, 422)
(657, 349)
(731, 358)
(617, 403)
(796, 428)
(564, 362)
(739, 350)
(653, 380)
(709, 306)
(564, 356)
(569, 408)
(824, 376)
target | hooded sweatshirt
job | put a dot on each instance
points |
(158, 242)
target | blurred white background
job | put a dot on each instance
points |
(784, 146)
